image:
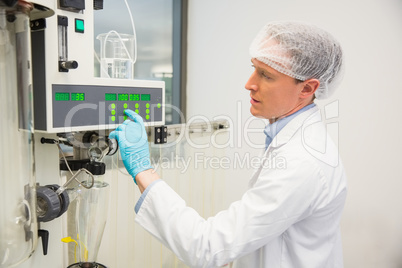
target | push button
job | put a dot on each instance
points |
(79, 26)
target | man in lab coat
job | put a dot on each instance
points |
(288, 217)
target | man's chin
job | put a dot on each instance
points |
(256, 114)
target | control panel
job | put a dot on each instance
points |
(95, 107)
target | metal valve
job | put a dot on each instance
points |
(50, 205)
(67, 65)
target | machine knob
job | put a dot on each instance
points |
(50, 205)
(66, 65)
(113, 146)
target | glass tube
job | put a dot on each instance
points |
(18, 223)
(91, 215)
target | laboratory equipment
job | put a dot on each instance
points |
(75, 111)
(67, 96)
(18, 223)
(98, 106)
(91, 194)
(86, 186)
(47, 72)
(117, 55)
(91, 215)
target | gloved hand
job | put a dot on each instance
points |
(133, 144)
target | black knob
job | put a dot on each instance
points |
(45, 239)
(72, 64)
(49, 141)
(113, 146)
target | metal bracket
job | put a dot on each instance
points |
(160, 135)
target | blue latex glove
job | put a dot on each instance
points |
(133, 144)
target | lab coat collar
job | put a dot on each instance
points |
(291, 128)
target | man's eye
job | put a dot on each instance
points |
(265, 75)
(252, 66)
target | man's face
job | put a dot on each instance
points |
(273, 94)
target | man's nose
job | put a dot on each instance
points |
(251, 82)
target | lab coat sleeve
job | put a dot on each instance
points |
(278, 199)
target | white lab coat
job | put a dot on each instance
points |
(289, 216)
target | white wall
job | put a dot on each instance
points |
(369, 102)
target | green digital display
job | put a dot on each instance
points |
(77, 96)
(110, 97)
(134, 97)
(62, 96)
(145, 97)
(126, 97)
(123, 97)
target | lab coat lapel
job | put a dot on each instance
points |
(284, 136)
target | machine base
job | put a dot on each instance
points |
(86, 265)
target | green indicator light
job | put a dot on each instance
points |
(113, 105)
(159, 105)
(137, 105)
(147, 111)
(113, 118)
(79, 26)
(147, 116)
(125, 117)
(136, 110)
(147, 105)
(113, 112)
(125, 105)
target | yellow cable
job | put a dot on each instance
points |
(69, 240)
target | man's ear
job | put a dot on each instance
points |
(310, 86)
